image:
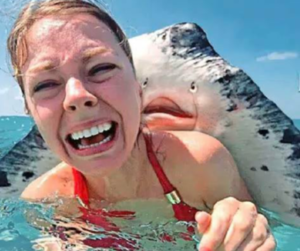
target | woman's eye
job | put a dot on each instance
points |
(103, 68)
(45, 85)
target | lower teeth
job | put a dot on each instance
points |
(94, 145)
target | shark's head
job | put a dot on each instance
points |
(177, 68)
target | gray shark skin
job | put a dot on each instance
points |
(27, 160)
(178, 64)
(180, 70)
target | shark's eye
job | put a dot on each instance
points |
(193, 87)
(145, 83)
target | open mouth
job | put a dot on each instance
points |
(167, 106)
(93, 137)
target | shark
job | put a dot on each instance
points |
(188, 86)
(28, 159)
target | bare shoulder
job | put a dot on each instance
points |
(208, 167)
(56, 182)
(201, 147)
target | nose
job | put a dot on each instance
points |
(77, 96)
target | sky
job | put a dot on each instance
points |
(261, 37)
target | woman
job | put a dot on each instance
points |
(74, 66)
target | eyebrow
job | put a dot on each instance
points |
(89, 53)
(44, 66)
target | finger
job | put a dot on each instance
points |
(269, 245)
(258, 236)
(203, 220)
(242, 225)
(220, 221)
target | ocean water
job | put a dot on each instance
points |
(17, 234)
(12, 129)
(297, 122)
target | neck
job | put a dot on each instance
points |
(131, 181)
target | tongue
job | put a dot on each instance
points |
(92, 140)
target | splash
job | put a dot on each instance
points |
(33, 226)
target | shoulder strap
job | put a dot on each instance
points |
(80, 187)
(163, 179)
(181, 210)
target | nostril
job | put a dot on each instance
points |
(72, 108)
(89, 103)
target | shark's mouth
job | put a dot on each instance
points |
(165, 114)
(165, 106)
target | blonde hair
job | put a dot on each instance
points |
(35, 10)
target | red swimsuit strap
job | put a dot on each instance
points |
(80, 187)
(181, 210)
(162, 177)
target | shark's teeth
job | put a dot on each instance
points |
(91, 131)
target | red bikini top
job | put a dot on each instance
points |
(182, 211)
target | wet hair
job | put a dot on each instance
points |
(36, 10)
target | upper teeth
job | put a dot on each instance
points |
(92, 131)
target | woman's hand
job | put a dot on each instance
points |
(234, 226)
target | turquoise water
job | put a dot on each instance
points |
(297, 122)
(12, 129)
(16, 234)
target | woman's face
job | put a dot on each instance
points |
(81, 91)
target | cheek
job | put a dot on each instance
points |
(124, 94)
(46, 115)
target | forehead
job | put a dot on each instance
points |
(68, 35)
